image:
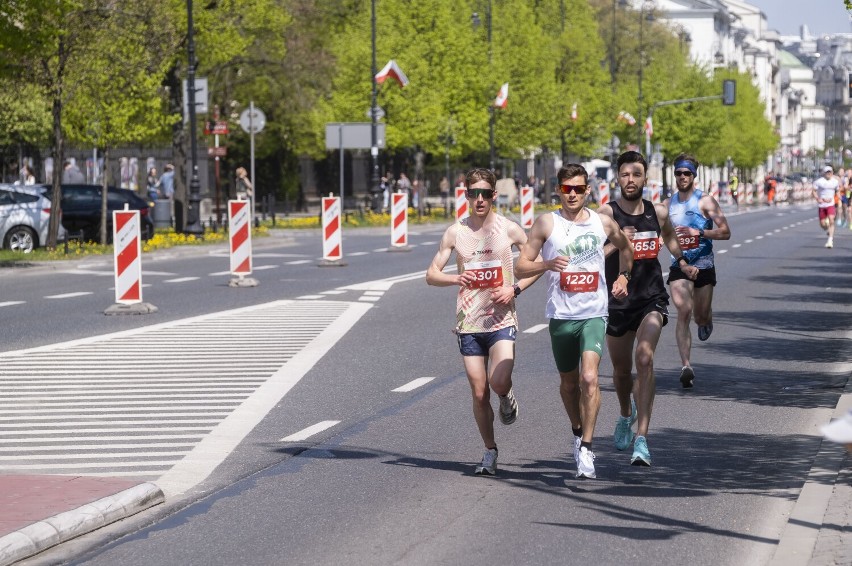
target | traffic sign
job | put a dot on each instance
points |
(252, 121)
(218, 128)
(380, 113)
(217, 151)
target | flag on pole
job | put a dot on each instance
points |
(502, 99)
(626, 117)
(393, 71)
(649, 127)
(574, 112)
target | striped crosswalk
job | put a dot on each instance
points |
(142, 402)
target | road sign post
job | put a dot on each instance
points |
(252, 121)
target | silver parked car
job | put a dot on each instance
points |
(24, 217)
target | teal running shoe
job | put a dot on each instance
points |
(623, 435)
(641, 455)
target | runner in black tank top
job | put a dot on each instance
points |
(646, 284)
(638, 319)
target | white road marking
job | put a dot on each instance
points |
(428, 243)
(749, 241)
(736, 245)
(298, 262)
(353, 254)
(333, 292)
(758, 237)
(180, 280)
(219, 273)
(413, 384)
(721, 251)
(310, 297)
(369, 299)
(173, 417)
(374, 293)
(536, 328)
(306, 433)
(11, 303)
(262, 267)
(69, 295)
(381, 250)
(768, 234)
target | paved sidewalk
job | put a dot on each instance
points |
(41, 511)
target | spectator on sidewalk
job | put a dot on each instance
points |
(71, 174)
(152, 184)
(167, 182)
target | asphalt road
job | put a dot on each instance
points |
(390, 482)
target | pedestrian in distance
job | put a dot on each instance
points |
(485, 305)
(570, 242)
(71, 174)
(825, 191)
(167, 182)
(698, 220)
(638, 319)
(152, 184)
(244, 188)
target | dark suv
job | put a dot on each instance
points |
(81, 210)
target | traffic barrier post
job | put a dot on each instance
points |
(332, 236)
(399, 223)
(527, 209)
(462, 211)
(239, 238)
(127, 254)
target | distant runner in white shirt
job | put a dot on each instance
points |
(824, 190)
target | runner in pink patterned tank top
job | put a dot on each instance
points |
(486, 323)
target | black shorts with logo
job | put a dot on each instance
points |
(705, 276)
(622, 321)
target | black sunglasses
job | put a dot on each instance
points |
(576, 189)
(473, 194)
(683, 173)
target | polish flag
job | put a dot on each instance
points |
(574, 112)
(649, 127)
(393, 71)
(502, 99)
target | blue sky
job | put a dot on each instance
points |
(821, 16)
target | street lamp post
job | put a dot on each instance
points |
(642, 18)
(476, 22)
(193, 225)
(374, 138)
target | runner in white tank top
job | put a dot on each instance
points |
(571, 244)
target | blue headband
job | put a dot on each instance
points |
(686, 165)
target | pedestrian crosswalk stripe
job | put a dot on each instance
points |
(166, 402)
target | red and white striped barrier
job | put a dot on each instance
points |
(399, 219)
(239, 234)
(655, 192)
(603, 194)
(527, 210)
(714, 190)
(127, 248)
(332, 238)
(462, 211)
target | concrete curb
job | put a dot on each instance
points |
(60, 528)
(799, 538)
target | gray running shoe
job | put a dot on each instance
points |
(705, 331)
(488, 467)
(687, 376)
(508, 408)
(586, 464)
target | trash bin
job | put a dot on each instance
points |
(162, 213)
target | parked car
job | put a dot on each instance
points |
(81, 210)
(24, 217)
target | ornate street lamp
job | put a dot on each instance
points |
(193, 225)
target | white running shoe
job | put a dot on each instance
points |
(488, 467)
(508, 408)
(586, 464)
(830, 243)
(577, 441)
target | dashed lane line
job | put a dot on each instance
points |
(413, 384)
(536, 328)
(181, 280)
(310, 431)
(70, 295)
(11, 303)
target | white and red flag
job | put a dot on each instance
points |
(393, 71)
(502, 99)
(574, 112)
(649, 127)
(627, 118)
